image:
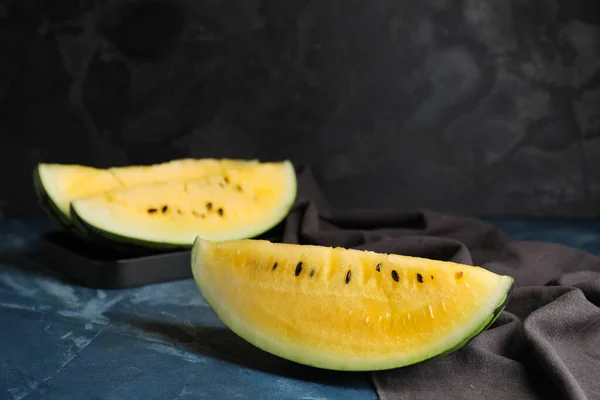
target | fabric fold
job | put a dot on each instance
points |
(546, 345)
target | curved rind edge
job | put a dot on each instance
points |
(48, 205)
(107, 239)
(492, 318)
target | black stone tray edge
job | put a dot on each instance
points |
(72, 259)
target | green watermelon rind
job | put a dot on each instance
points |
(105, 238)
(490, 321)
(302, 356)
(49, 207)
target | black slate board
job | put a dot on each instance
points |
(93, 266)
(104, 267)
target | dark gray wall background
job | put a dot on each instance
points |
(483, 107)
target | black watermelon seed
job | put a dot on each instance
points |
(274, 267)
(395, 275)
(312, 273)
(220, 211)
(432, 278)
(226, 179)
(151, 210)
(459, 274)
(209, 206)
(164, 209)
(378, 267)
(348, 276)
(299, 268)
(238, 188)
(420, 278)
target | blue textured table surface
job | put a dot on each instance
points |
(160, 341)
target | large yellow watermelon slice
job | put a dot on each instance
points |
(345, 309)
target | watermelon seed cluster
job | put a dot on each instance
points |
(420, 278)
(209, 205)
(348, 277)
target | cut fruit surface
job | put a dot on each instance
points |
(57, 185)
(345, 309)
(242, 203)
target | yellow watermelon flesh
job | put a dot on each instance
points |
(58, 184)
(240, 203)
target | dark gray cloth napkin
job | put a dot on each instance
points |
(546, 345)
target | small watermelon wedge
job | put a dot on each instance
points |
(164, 206)
(345, 309)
